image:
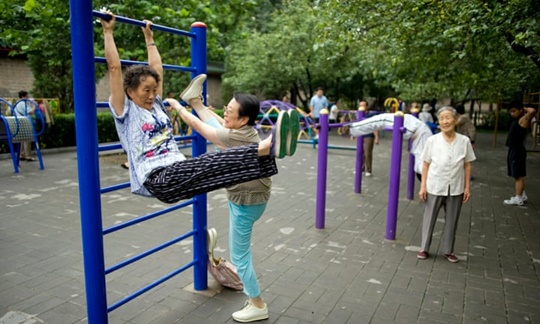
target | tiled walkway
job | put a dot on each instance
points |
(346, 273)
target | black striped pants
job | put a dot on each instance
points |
(207, 172)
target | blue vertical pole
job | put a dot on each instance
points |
(395, 170)
(200, 251)
(410, 173)
(84, 89)
(359, 154)
(322, 163)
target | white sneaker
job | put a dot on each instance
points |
(514, 201)
(250, 313)
(194, 89)
(524, 196)
(368, 174)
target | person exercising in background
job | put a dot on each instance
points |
(416, 130)
(369, 141)
(517, 154)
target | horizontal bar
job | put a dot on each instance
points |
(185, 137)
(141, 23)
(337, 125)
(339, 147)
(150, 286)
(105, 104)
(115, 187)
(116, 146)
(99, 59)
(307, 141)
(149, 252)
(109, 147)
(147, 217)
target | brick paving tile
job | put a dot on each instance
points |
(345, 273)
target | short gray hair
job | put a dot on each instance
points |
(450, 109)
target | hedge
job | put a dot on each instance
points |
(62, 132)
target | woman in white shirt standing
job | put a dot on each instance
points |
(446, 174)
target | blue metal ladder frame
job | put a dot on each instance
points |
(88, 166)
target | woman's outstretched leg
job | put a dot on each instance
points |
(192, 95)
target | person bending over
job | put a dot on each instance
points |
(416, 130)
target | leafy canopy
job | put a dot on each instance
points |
(40, 30)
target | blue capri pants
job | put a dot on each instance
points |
(242, 218)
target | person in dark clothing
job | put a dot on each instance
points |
(369, 140)
(517, 154)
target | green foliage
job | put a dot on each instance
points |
(35, 30)
(459, 49)
(106, 128)
(297, 51)
(219, 112)
(62, 133)
(287, 56)
(490, 119)
(41, 31)
(221, 18)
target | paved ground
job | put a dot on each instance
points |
(346, 273)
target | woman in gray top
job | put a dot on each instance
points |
(247, 201)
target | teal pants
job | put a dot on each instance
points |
(242, 218)
(241, 221)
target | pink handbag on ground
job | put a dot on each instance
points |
(223, 271)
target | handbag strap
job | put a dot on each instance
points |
(211, 241)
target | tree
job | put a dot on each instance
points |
(288, 55)
(41, 31)
(38, 30)
(447, 48)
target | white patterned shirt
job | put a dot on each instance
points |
(147, 138)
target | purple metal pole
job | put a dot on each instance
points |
(410, 173)
(395, 170)
(322, 162)
(359, 154)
